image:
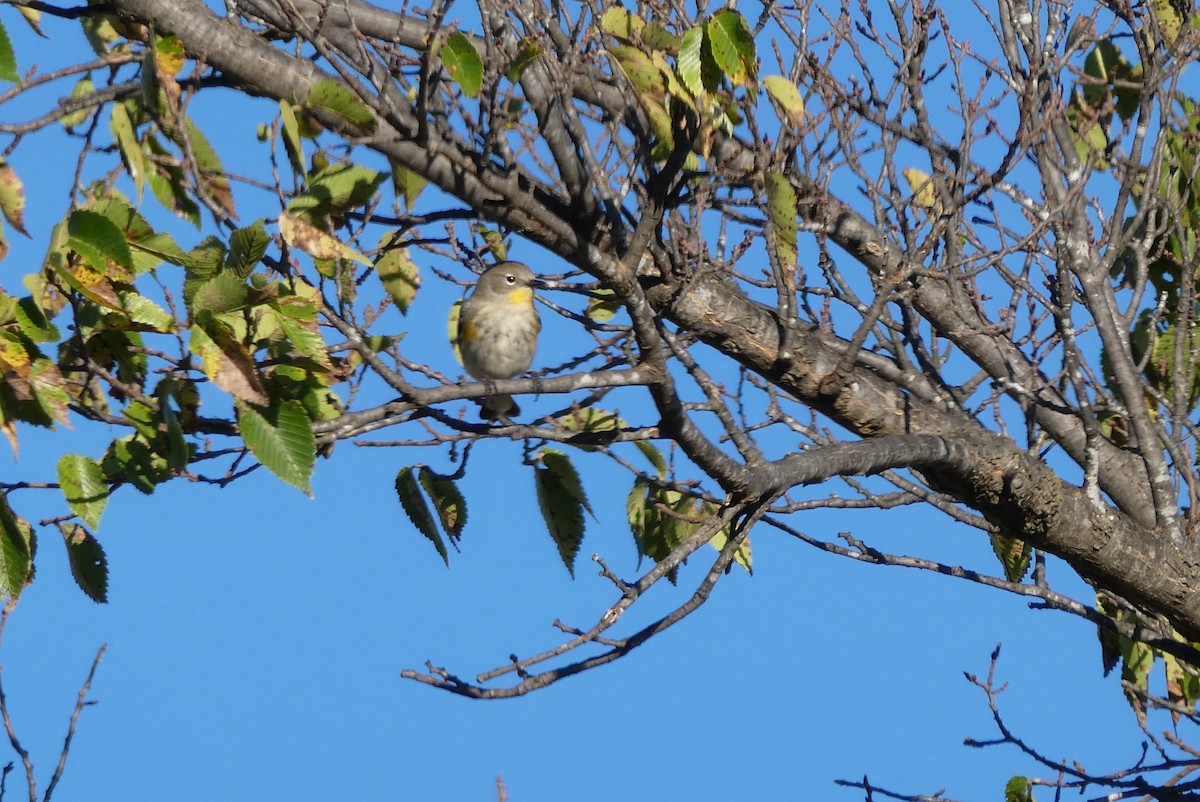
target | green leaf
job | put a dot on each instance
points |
(131, 150)
(339, 100)
(8, 59)
(530, 52)
(97, 240)
(247, 246)
(787, 99)
(1014, 555)
(88, 563)
(409, 493)
(33, 323)
(448, 502)
(732, 46)
(407, 184)
(224, 292)
(83, 484)
(334, 190)
(602, 306)
(622, 24)
(462, 61)
(562, 502)
(688, 64)
(397, 271)
(782, 212)
(17, 544)
(212, 172)
(742, 556)
(1018, 789)
(83, 87)
(147, 315)
(291, 136)
(134, 460)
(281, 438)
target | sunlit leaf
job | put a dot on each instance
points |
(462, 62)
(8, 59)
(732, 46)
(786, 97)
(97, 240)
(339, 100)
(247, 246)
(314, 241)
(397, 271)
(291, 136)
(782, 212)
(83, 484)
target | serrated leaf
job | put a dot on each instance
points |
(787, 99)
(131, 150)
(88, 564)
(448, 502)
(782, 212)
(333, 190)
(732, 46)
(281, 438)
(409, 493)
(562, 502)
(462, 62)
(83, 484)
(339, 100)
(97, 240)
(17, 543)
(224, 292)
(33, 322)
(247, 246)
(1014, 555)
(8, 59)
(688, 63)
(397, 271)
(144, 313)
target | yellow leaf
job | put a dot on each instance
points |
(315, 242)
(921, 185)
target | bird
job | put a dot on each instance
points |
(498, 327)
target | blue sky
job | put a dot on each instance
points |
(256, 636)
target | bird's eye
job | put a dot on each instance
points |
(510, 278)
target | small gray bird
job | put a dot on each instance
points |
(497, 331)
